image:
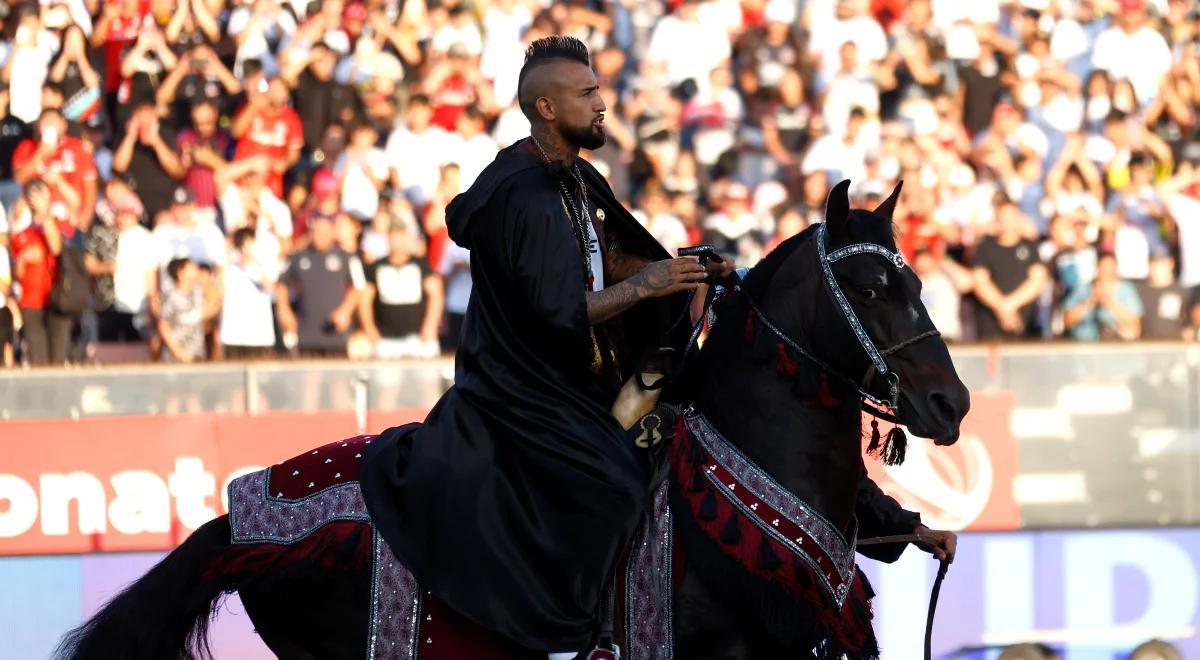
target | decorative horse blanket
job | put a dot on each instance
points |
(310, 506)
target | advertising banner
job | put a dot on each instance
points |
(142, 483)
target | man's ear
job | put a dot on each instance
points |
(545, 108)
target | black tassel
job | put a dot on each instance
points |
(767, 558)
(731, 534)
(896, 447)
(697, 479)
(874, 446)
(708, 507)
(694, 453)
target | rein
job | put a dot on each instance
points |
(943, 567)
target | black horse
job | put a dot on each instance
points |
(772, 380)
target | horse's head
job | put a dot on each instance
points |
(850, 297)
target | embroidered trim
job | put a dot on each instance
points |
(395, 607)
(255, 516)
(649, 589)
(775, 510)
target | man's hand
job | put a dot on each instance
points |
(669, 276)
(937, 542)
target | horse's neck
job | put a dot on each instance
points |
(814, 451)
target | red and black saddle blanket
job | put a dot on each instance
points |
(309, 508)
(771, 533)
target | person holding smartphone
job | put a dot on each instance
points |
(53, 151)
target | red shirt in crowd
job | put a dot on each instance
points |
(70, 159)
(272, 133)
(122, 32)
(455, 94)
(36, 277)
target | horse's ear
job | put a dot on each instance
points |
(888, 206)
(837, 207)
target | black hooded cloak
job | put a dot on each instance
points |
(515, 498)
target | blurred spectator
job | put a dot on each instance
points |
(185, 231)
(203, 151)
(247, 327)
(268, 127)
(324, 202)
(403, 302)
(27, 65)
(362, 169)
(54, 153)
(199, 79)
(1008, 279)
(1132, 50)
(416, 151)
(74, 76)
(122, 257)
(147, 159)
(470, 147)
(13, 131)
(316, 299)
(1106, 308)
(258, 27)
(455, 269)
(943, 283)
(36, 244)
(454, 83)
(320, 99)
(1139, 214)
(184, 311)
(1165, 301)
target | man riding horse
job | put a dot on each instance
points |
(513, 502)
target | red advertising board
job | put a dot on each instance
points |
(141, 483)
(967, 485)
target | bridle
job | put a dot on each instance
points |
(878, 364)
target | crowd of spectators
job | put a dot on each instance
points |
(216, 179)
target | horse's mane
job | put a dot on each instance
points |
(732, 311)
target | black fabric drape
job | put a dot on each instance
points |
(514, 499)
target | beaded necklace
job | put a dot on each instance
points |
(577, 212)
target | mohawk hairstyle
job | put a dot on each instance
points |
(544, 51)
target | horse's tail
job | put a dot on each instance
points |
(166, 613)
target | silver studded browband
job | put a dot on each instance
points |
(894, 258)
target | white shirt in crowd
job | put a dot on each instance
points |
(511, 126)
(503, 49)
(687, 49)
(5, 276)
(417, 159)
(204, 244)
(273, 213)
(1142, 57)
(30, 66)
(279, 27)
(471, 155)
(360, 197)
(136, 259)
(246, 311)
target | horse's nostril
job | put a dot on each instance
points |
(942, 407)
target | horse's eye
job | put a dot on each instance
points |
(869, 293)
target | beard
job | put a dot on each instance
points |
(585, 137)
